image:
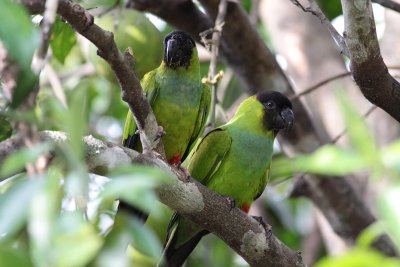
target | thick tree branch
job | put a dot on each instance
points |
(132, 92)
(388, 4)
(191, 199)
(369, 70)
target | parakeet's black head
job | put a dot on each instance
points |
(278, 110)
(178, 49)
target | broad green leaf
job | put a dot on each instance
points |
(26, 82)
(75, 121)
(63, 39)
(76, 241)
(16, 162)
(359, 258)
(5, 128)
(389, 209)
(328, 159)
(358, 132)
(134, 185)
(43, 213)
(14, 257)
(15, 204)
(145, 240)
(17, 33)
(331, 8)
(16, 115)
(390, 157)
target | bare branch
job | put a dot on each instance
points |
(316, 11)
(47, 23)
(367, 66)
(215, 41)
(321, 83)
(190, 199)
(388, 4)
(132, 92)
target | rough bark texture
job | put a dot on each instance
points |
(132, 92)
(191, 199)
(367, 66)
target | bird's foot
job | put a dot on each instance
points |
(160, 133)
(186, 174)
(231, 202)
(267, 227)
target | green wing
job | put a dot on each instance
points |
(204, 110)
(209, 155)
(263, 182)
(151, 88)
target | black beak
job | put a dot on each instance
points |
(171, 52)
(288, 117)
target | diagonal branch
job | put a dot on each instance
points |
(214, 43)
(191, 199)
(367, 66)
(132, 92)
(388, 4)
(316, 11)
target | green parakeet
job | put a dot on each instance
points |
(232, 160)
(178, 98)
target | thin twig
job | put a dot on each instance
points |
(321, 83)
(388, 4)
(314, 9)
(328, 80)
(29, 131)
(47, 23)
(216, 35)
(56, 84)
(254, 12)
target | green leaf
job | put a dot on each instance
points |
(76, 241)
(26, 82)
(5, 128)
(75, 121)
(390, 157)
(17, 33)
(388, 208)
(16, 162)
(359, 258)
(15, 203)
(63, 39)
(328, 159)
(14, 257)
(42, 216)
(358, 132)
(134, 185)
(331, 8)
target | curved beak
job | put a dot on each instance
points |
(171, 51)
(288, 117)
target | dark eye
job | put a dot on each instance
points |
(270, 105)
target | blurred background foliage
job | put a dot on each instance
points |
(64, 217)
